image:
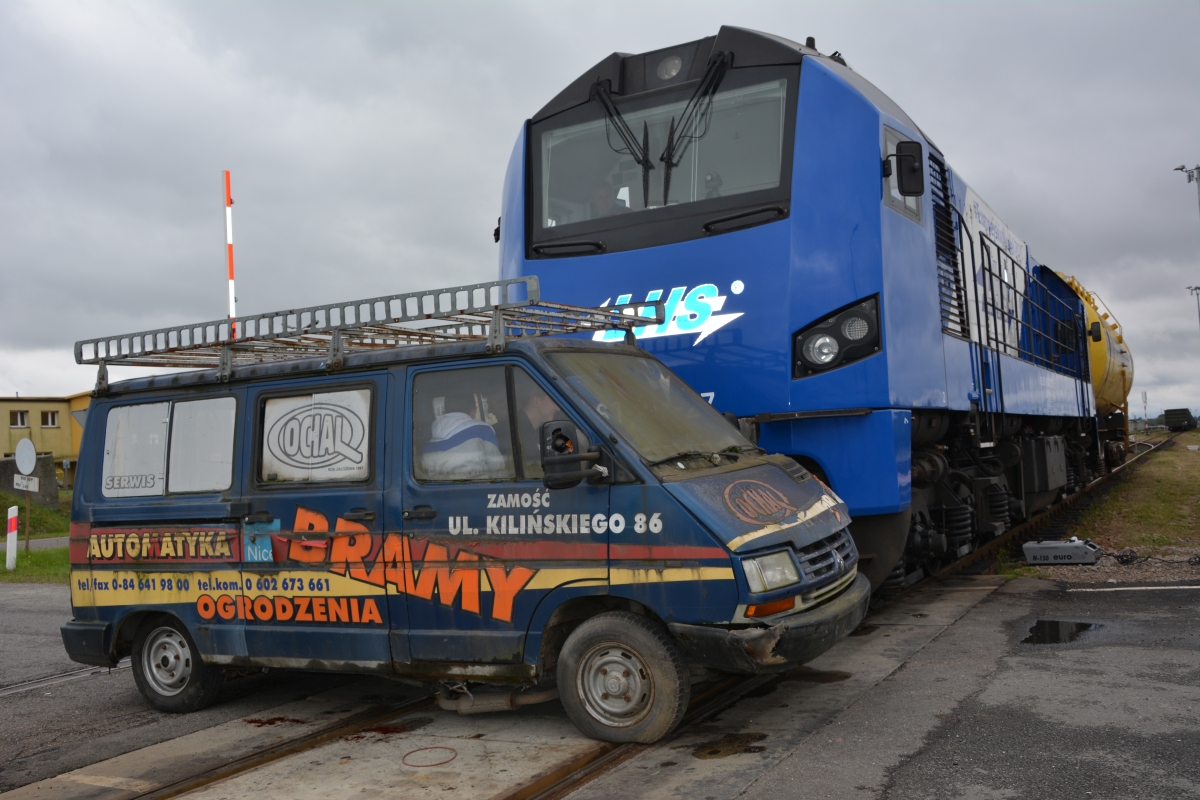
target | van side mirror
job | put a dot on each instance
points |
(1095, 331)
(910, 169)
(562, 458)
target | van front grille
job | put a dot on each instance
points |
(820, 559)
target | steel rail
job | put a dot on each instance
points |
(63, 677)
(297, 744)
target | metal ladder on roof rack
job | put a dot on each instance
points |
(494, 311)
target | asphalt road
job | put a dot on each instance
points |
(69, 725)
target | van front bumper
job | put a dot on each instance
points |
(796, 640)
(88, 642)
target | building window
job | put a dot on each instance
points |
(18, 419)
(49, 419)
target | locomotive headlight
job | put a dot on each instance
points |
(766, 573)
(855, 328)
(821, 349)
(847, 335)
(669, 67)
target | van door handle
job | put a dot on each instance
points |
(258, 517)
(420, 512)
(358, 515)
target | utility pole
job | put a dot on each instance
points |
(1193, 176)
(1196, 291)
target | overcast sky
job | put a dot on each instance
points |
(368, 143)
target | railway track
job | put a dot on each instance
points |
(564, 778)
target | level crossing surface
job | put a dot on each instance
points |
(937, 696)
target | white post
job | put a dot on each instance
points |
(10, 561)
(229, 255)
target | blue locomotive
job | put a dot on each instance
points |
(828, 280)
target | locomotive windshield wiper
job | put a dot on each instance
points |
(639, 151)
(694, 113)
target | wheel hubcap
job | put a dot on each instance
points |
(615, 685)
(167, 661)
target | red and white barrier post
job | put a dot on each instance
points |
(10, 561)
(229, 255)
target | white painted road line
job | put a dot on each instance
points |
(1136, 589)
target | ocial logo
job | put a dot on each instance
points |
(757, 503)
(317, 435)
(685, 312)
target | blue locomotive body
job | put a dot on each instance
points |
(878, 336)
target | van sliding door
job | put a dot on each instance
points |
(314, 531)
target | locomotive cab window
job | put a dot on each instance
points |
(735, 155)
(908, 206)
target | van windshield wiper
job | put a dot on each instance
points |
(683, 454)
(695, 113)
(639, 151)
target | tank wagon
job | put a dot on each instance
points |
(829, 280)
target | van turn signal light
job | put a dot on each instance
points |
(773, 607)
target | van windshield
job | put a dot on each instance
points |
(648, 405)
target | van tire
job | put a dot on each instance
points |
(645, 700)
(168, 670)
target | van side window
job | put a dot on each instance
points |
(317, 437)
(534, 407)
(461, 426)
(201, 454)
(135, 450)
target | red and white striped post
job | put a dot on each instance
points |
(229, 255)
(10, 562)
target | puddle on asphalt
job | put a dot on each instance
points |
(1052, 631)
(730, 744)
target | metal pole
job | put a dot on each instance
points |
(1195, 290)
(27, 522)
(229, 255)
(10, 556)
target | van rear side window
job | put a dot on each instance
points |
(317, 437)
(202, 445)
(135, 449)
(139, 463)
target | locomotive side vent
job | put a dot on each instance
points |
(950, 290)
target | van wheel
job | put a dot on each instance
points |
(622, 678)
(168, 670)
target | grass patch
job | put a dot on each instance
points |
(1155, 505)
(43, 521)
(1010, 569)
(39, 566)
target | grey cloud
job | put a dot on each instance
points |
(368, 143)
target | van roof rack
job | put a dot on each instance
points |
(494, 311)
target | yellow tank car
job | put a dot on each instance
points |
(1111, 365)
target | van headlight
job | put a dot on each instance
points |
(845, 336)
(766, 573)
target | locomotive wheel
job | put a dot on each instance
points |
(168, 670)
(622, 678)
